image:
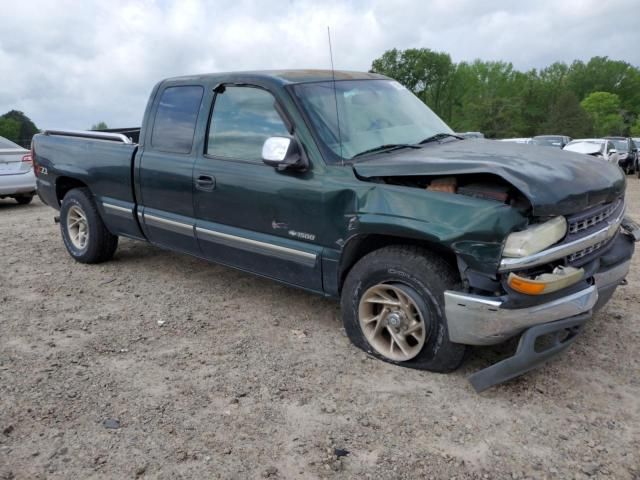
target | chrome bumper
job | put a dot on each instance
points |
(479, 320)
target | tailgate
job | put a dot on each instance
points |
(11, 162)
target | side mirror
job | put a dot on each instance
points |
(283, 153)
(613, 150)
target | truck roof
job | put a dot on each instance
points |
(283, 77)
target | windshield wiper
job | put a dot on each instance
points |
(386, 147)
(438, 136)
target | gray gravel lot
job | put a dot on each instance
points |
(159, 365)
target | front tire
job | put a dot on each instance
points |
(84, 234)
(393, 308)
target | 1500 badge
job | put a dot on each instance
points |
(302, 235)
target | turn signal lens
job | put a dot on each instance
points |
(522, 285)
(561, 277)
(535, 238)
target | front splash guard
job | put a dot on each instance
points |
(562, 333)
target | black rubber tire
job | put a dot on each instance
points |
(101, 244)
(426, 274)
(24, 199)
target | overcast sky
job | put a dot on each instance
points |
(69, 64)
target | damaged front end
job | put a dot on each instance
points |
(541, 277)
(546, 295)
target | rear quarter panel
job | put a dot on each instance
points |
(104, 167)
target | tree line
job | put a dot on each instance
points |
(595, 98)
(18, 128)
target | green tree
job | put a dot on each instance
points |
(9, 129)
(99, 126)
(635, 129)
(425, 72)
(27, 128)
(604, 110)
(567, 116)
(495, 98)
(487, 98)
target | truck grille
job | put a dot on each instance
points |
(583, 253)
(585, 223)
(592, 217)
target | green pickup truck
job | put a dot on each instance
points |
(347, 185)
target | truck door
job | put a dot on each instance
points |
(166, 170)
(248, 214)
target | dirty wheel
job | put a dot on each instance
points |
(77, 227)
(83, 231)
(392, 322)
(393, 308)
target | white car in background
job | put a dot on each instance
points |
(16, 172)
(596, 147)
(517, 140)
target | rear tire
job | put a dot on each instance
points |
(84, 234)
(24, 199)
(380, 286)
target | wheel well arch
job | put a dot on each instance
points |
(361, 245)
(64, 184)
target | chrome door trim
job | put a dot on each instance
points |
(256, 246)
(172, 225)
(117, 210)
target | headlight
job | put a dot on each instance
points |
(535, 238)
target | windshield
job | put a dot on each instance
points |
(621, 145)
(548, 141)
(372, 113)
(587, 147)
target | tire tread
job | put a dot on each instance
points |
(437, 273)
(104, 242)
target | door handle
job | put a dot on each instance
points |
(206, 183)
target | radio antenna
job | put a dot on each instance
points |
(335, 94)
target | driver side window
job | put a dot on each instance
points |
(242, 119)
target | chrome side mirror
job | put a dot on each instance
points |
(283, 153)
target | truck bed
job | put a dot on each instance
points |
(102, 161)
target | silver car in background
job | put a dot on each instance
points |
(16, 172)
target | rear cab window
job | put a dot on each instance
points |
(175, 120)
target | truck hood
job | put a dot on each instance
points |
(555, 182)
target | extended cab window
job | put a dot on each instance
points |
(242, 119)
(176, 119)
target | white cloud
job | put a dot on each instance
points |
(70, 64)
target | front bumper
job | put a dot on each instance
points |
(479, 320)
(484, 320)
(548, 322)
(529, 355)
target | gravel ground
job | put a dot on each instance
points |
(159, 365)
